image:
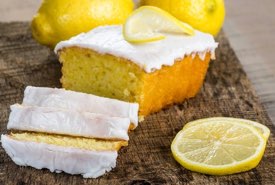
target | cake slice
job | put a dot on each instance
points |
(67, 122)
(75, 101)
(154, 74)
(60, 136)
(88, 157)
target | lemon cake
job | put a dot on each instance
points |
(82, 102)
(61, 135)
(154, 74)
(62, 121)
(88, 157)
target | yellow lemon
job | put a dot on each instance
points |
(264, 130)
(204, 15)
(149, 23)
(59, 20)
(220, 146)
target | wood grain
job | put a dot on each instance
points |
(147, 159)
(250, 27)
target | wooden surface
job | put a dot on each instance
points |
(147, 159)
(249, 25)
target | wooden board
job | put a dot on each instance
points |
(147, 159)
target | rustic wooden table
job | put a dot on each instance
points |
(249, 25)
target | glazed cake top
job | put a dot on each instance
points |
(150, 56)
(77, 101)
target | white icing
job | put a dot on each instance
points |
(61, 121)
(90, 164)
(76, 101)
(149, 56)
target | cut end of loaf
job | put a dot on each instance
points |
(105, 75)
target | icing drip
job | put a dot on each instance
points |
(149, 56)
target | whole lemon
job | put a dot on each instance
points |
(59, 20)
(204, 15)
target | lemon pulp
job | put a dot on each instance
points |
(147, 24)
(219, 148)
(259, 127)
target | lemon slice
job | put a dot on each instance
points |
(260, 127)
(148, 23)
(219, 148)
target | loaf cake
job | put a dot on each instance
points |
(154, 74)
(52, 129)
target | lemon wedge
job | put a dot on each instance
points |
(259, 127)
(148, 23)
(219, 148)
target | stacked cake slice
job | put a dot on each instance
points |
(68, 131)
